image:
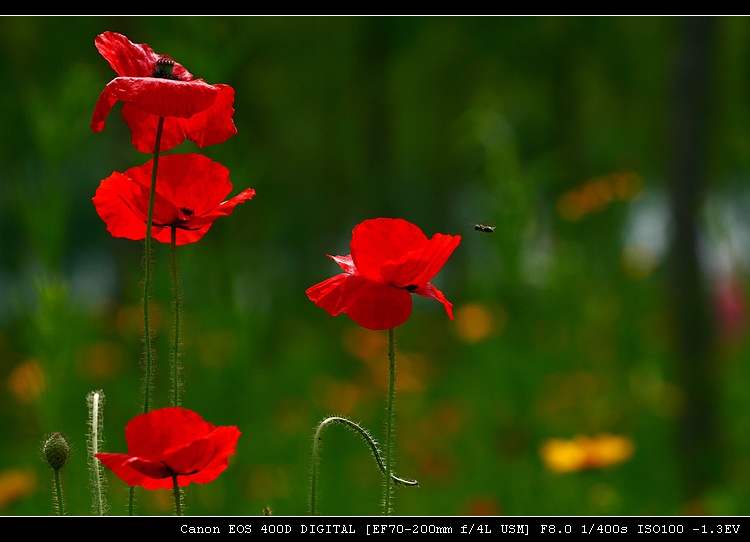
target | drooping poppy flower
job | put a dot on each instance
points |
(172, 441)
(190, 190)
(390, 260)
(153, 86)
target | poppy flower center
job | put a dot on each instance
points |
(164, 68)
(180, 223)
(172, 472)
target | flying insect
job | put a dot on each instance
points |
(483, 228)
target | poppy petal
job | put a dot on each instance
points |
(224, 443)
(419, 266)
(118, 202)
(225, 208)
(345, 262)
(190, 108)
(150, 435)
(430, 291)
(190, 458)
(371, 304)
(130, 59)
(328, 294)
(172, 441)
(189, 192)
(208, 127)
(214, 124)
(150, 469)
(144, 126)
(191, 181)
(135, 471)
(381, 240)
(390, 260)
(164, 97)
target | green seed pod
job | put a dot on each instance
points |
(56, 451)
(164, 68)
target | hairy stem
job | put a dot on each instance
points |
(176, 353)
(149, 356)
(387, 492)
(58, 500)
(368, 440)
(131, 501)
(177, 497)
(95, 401)
(149, 353)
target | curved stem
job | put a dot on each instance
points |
(387, 507)
(176, 355)
(366, 437)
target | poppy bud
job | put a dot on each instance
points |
(56, 451)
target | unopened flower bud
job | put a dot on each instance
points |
(56, 451)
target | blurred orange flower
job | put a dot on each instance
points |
(15, 484)
(596, 194)
(476, 322)
(27, 381)
(583, 452)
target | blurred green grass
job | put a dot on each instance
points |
(564, 324)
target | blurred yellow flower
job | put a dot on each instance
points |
(583, 452)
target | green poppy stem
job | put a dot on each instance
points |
(95, 438)
(149, 355)
(317, 439)
(58, 499)
(176, 353)
(177, 497)
(149, 352)
(131, 501)
(388, 490)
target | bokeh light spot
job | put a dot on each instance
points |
(475, 322)
(596, 194)
(27, 381)
(15, 484)
(584, 452)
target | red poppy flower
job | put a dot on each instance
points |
(153, 86)
(390, 260)
(172, 441)
(190, 190)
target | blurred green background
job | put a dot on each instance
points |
(612, 156)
